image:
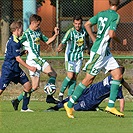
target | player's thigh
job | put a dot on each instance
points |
(35, 82)
(94, 65)
(27, 86)
(73, 66)
(50, 71)
(35, 64)
(116, 74)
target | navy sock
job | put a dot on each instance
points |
(26, 99)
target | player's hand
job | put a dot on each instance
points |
(58, 50)
(125, 42)
(56, 30)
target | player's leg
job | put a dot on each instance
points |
(66, 82)
(23, 80)
(35, 84)
(116, 73)
(47, 69)
(59, 105)
(69, 66)
(26, 97)
(117, 76)
(71, 87)
(90, 68)
(73, 68)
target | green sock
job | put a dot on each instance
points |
(72, 85)
(52, 80)
(64, 84)
(113, 92)
(77, 93)
(20, 97)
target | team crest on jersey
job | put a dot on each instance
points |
(80, 42)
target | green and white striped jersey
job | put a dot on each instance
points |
(31, 41)
(75, 44)
(105, 20)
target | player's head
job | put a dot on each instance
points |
(77, 22)
(16, 28)
(114, 2)
(35, 21)
(122, 68)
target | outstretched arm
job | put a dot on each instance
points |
(19, 59)
(51, 39)
(112, 34)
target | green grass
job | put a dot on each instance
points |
(41, 121)
(57, 122)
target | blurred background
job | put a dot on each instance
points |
(60, 13)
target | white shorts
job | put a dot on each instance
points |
(97, 63)
(40, 65)
(73, 66)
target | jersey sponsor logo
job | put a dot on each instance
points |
(37, 41)
(80, 42)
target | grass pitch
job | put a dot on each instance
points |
(42, 121)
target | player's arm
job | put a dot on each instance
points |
(122, 103)
(19, 59)
(60, 47)
(88, 26)
(56, 33)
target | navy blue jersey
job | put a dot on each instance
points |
(95, 94)
(10, 68)
(13, 47)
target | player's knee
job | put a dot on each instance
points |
(52, 74)
(118, 77)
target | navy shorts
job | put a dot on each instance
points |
(11, 76)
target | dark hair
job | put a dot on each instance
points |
(15, 24)
(35, 17)
(114, 2)
(77, 17)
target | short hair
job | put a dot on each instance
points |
(77, 17)
(35, 17)
(114, 2)
(15, 24)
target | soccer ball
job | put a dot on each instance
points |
(50, 89)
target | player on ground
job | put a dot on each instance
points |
(74, 40)
(95, 94)
(31, 41)
(10, 68)
(100, 57)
